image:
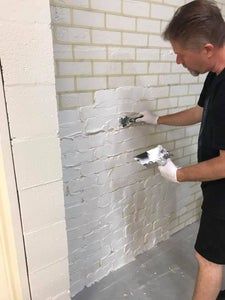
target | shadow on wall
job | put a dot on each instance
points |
(115, 208)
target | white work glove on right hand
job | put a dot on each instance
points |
(148, 117)
(169, 171)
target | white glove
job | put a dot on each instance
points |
(169, 171)
(148, 117)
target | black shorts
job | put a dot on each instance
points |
(210, 242)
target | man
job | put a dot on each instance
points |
(197, 35)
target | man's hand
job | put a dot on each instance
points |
(169, 171)
(148, 117)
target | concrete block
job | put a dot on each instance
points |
(42, 206)
(167, 55)
(32, 157)
(48, 282)
(187, 100)
(46, 246)
(20, 67)
(32, 105)
(88, 18)
(147, 80)
(195, 89)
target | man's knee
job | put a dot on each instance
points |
(203, 262)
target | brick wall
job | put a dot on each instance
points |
(110, 59)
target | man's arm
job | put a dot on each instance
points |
(211, 169)
(186, 117)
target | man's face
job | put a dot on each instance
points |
(196, 61)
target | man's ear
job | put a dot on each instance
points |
(208, 50)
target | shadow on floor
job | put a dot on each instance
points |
(166, 272)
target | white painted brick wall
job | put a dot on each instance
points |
(106, 45)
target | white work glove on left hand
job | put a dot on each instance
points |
(148, 117)
(169, 171)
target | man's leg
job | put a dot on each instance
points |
(209, 279)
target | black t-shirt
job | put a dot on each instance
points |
(212, 140)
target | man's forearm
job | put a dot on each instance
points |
(186, 117)
(212, 169)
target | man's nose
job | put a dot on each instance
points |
(178, 60)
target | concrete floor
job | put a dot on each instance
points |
(165, 272)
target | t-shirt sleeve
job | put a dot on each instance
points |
(204, 91)
(219, 119)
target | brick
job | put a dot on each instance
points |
(195, 89)
(162, 12)
(29, 170)
(106, 37)
(107, 68)
(175, 2)
(64, 84)
(175, 134)
(91, 83)
(89, 52)
(148, 54)
(87, 18)
(150, 26)
(166, 103)
(113, 6)
(178, 68)
(147, 80)
(136, 8)
(167, 55)
(62, 51)
(135, 39)
(60, 15)
(74, 68)
(158, 68)
(72, 3)
(121, 53)
(72, 35)
(75, 100)
(120, 23)
(186, 101)
(188, 78)
(117, 81)
(157, 41)
(135, 68)
(178, 90)
(192, 130)
(169, 79)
